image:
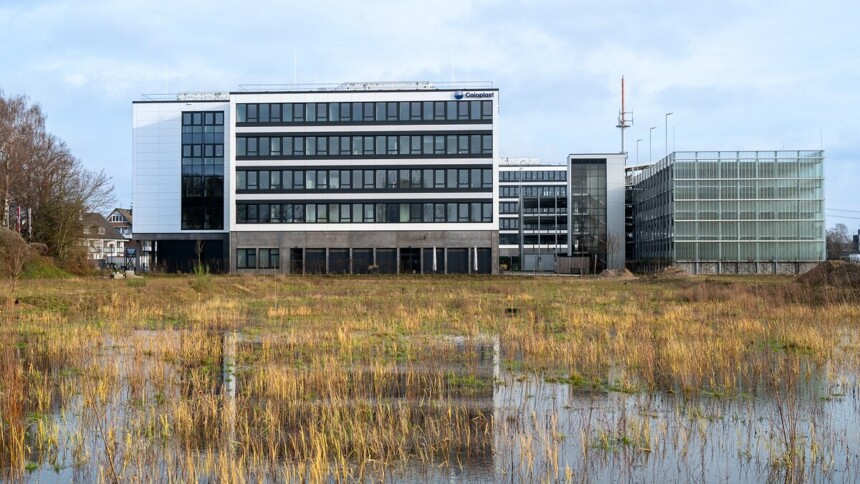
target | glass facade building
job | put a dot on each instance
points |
(731, 211)
(533, 211)
(565, 218)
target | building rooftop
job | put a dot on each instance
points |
(341, 87)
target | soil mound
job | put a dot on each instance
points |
(671, 272)
(832, 273)
(613, 274)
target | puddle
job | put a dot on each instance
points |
(183, 405)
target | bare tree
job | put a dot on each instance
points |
(837, 241)
(39, 172)
(19, 123)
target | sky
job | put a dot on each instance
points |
(737, 75)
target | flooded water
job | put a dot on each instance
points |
(175, 405)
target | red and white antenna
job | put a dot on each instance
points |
(625, 118)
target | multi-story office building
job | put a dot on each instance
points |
(532, 214)
(731, 212)
(387, 177)
(562, 217)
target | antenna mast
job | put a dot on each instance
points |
(624, 121)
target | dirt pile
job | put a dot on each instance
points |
(671, 272)
(832, 273)
(614, 274)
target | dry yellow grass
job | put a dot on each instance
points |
(346, 377)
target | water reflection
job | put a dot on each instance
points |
(203, 405)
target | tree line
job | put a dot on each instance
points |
(40, 176)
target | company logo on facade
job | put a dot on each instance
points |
(473, 95)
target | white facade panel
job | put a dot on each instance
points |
(157, 163)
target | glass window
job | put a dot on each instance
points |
(439, 144)
(475, 178)
(264, 113)
(428, 144)
(427, 110)
(287, 112)
(463, 109)
(240, 115)
(439, 110)
(451, 110)
(487, 109)
(298, 112)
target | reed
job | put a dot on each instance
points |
(365, 378)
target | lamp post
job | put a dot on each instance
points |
(637, 150)
(650, 155)
(666, 132)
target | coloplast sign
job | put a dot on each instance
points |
(473, 95)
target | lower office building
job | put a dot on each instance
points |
(731, 212)
(353, 178)
(562, 218)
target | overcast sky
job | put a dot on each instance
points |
(738, 75)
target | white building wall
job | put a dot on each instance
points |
(157, 163)
(615, 209)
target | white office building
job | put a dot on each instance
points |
(359, 177)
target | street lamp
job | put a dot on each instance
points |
(649, 143)
(637, 150)
(666, 133)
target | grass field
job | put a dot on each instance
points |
(313, 378)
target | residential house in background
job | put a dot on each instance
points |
(103, 242)
(136, 254)
(120, 219)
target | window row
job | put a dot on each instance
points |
(364, 145)
(813, 230)
(748, 251)
(533, 192)
(202, 118)
(208, 150)
(376, 212)
(509, 207)
(750, 210)
(364, 112)
(258, 258)
(527, 176)
(748, 189)
(366, 179)
(744, 169)
(533, 239)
